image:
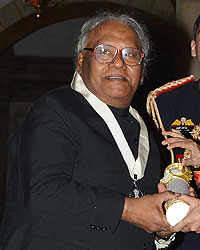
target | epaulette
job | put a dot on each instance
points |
(171, 86)
(151, 103)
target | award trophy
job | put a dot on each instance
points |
(176, 177)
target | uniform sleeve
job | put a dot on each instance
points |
(163, 111)
(48, 151)
(167, 105)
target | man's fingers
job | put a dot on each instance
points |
(173, 133)
(161, 188)
(192, 192)
(187, 198)
(173, 143)
(188, 162)
(168, 195)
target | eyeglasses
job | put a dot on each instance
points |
(107, 53)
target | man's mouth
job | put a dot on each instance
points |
(116, 77)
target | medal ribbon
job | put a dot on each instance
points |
(136, 167)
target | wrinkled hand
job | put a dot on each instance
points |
(192, 192)
(147, 212)
(177, 139)
(192, 220)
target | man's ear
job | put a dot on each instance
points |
(193, 48)
(80, 62)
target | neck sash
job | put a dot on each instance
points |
(136, 167)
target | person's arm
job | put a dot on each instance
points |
(147, 212)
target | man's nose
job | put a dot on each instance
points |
(118, 60)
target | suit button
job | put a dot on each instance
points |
(98, 228)
(92, 227)
(130, 194)
(103, 229)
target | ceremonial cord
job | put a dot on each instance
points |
(152, 107)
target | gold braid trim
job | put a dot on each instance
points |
(196, 132)
(152, 107)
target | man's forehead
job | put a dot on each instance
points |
(110, 28)
(109, 24)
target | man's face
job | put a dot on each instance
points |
(195, 46)
(114, 83)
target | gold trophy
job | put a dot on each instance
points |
(176, 177)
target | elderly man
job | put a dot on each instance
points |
(83, 158)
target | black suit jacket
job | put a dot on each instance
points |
(69, 181)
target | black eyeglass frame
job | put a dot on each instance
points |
(116, 52)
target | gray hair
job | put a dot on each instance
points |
(139, 28)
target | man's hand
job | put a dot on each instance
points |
(147, 212)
